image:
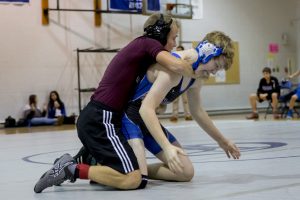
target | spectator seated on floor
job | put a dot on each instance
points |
(56, 109)
(34, 116)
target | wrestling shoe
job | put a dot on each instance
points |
(173, 119)
(188, 118)
(289, 115)
(276, 115)
(253, 116)
(57, 174)
(84, 157)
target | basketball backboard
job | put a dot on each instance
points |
(177, 8)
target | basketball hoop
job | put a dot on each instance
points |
(170, 6)
(176, 10)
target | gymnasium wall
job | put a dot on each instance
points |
(37, 59)
(297, 24)
(253, 24)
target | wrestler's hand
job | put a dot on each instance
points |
(230, 149)
(172, 156)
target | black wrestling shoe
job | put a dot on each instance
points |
(84, 157)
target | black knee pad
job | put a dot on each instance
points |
(144, 182)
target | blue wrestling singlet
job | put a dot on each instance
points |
(132, 123)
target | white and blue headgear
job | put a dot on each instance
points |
(206, 51)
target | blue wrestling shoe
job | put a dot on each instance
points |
(289, 115)
(57, 174)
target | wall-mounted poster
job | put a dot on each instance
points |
(273, 48)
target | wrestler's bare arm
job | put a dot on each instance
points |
(204, 121)
(174, 64)
(161, 86)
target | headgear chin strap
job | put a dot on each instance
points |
(206, 51)
(159, 31)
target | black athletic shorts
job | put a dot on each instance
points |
(99, 129)
(269, 97)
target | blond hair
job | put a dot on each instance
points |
(223, 41)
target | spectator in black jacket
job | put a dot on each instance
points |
(269, 90)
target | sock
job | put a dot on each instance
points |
(82, 171)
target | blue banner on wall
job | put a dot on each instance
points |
(128, 5)
(134, 5)
(153, 5)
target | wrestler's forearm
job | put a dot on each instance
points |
(204, 121)
(174, 64)
(151, 121)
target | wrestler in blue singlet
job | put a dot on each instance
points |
(132, 123)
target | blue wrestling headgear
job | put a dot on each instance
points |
(159, 31)
(206, 51)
